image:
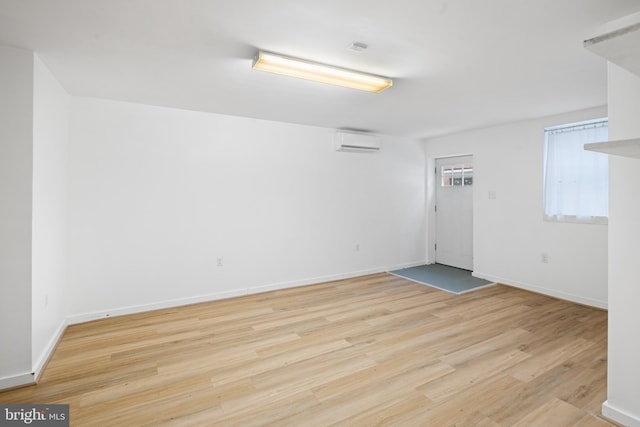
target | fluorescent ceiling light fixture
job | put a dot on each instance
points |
(308, 70)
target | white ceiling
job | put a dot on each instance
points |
(456, 64)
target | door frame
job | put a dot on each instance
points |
(431, 186)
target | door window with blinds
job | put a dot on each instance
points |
(459, 175)
(575, 180)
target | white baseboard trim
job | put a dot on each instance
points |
(30, 378)
(87, 317)
(619, 416)
(133, 309)
(329, 278)
(48, 351)
(15, 381)
(541, 290)
(409, 265)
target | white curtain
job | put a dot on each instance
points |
(576, 180)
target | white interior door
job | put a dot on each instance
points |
(454, 211)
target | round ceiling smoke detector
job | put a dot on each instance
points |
(358, 47)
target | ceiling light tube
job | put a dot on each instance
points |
(278, 64)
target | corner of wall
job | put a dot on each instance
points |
(16, 168)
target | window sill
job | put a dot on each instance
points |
(595, 220)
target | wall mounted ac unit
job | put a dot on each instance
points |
(356, 142)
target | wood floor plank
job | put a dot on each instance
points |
(525, 397)
(380, 375)
(390, 413)
(468, 406)
(364, 351)
(540, 363)
(591, 421)
(468, 374)
(508, 339)
(553, 412)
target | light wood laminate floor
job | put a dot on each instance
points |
(374, 350)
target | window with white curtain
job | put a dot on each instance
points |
(576, 180)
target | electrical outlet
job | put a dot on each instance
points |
(544, 257)
(357, 247)
(220, 262)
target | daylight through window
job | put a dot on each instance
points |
(457, 175)
(576, 180)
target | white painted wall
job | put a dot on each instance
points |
(157, 195)
(50, 140)
(509, 231)
(623, 403)
(16, 107)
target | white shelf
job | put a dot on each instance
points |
(625, 148)
(619, 44)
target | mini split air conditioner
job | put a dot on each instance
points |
(356, 142)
